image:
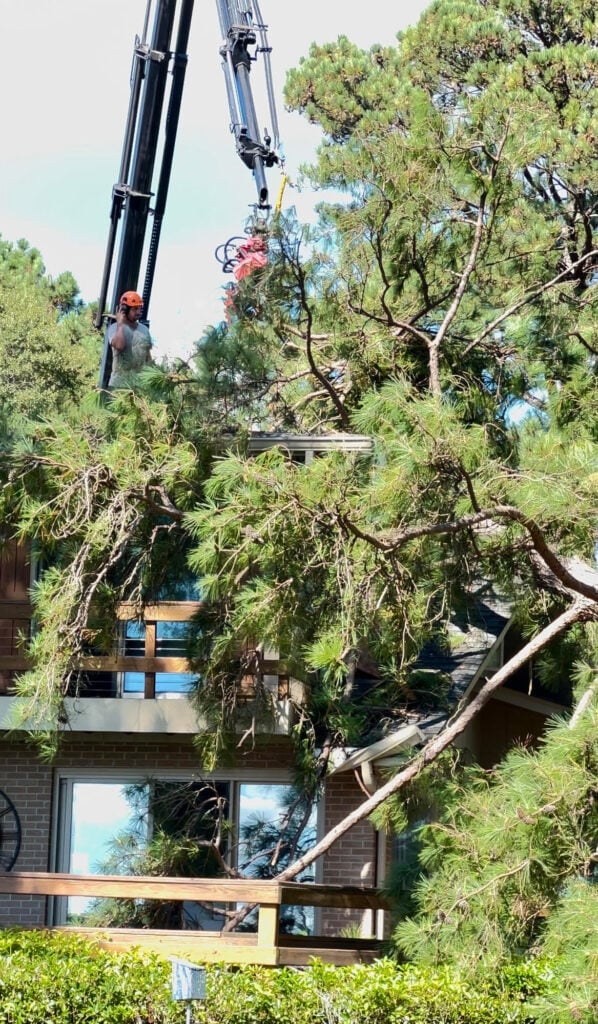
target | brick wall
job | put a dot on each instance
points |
(353, 859)
(151, 753)
(28, 783)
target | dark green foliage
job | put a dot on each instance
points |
(510, 866)
(48, 347)
(452, 284)
(96, 496)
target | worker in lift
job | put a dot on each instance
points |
(130, 341)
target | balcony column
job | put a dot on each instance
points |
(149, 690)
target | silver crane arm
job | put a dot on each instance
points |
(244, 38)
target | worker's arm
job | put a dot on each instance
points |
(118, 339)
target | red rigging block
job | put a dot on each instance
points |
(251, 255)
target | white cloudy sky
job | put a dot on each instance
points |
(64, 79)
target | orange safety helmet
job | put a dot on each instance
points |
(132, 299)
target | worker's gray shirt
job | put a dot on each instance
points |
(135, 355)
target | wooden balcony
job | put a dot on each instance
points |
(266, 946)
(104, 702)
(15, 622)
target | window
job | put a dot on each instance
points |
(95, 815)
(167, 825)
(270, 817)
(405, 867)
(168, 641)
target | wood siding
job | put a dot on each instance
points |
(15, 608)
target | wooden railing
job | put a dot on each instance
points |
(148, 664)
(268, 946)
(15, 616)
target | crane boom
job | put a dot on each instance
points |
(241, 23)
(243, 29)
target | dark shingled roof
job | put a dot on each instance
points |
(471, 636)
(471, 639)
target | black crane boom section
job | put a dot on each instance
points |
(242, 27)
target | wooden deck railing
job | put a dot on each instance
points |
(148, 663)
(15, 622)
(268, 946)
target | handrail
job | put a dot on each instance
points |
(238, 890)
(268, 946)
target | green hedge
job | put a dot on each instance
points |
(59, 979)
(381, 993)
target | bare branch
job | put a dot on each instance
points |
(434, 347)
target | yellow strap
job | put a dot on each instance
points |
(281, 189)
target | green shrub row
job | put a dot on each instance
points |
(58, 979)
(49, 978)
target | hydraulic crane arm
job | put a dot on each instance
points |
(153, 58)
(242, 25)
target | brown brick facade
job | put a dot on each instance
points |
(353, 859)
(28, 783)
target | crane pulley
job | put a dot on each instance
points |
(244, 39)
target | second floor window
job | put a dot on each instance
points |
(169, 642)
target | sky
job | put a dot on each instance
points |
(64, 79)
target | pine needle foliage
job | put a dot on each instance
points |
(95, 494)
(512, 852)
(444, 306)
(48, 349)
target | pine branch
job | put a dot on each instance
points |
(534, 293)
(462, 901)
(583, 705)
(576, 576)
(434, 347)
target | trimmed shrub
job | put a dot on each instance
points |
(53, 978)
(381, 993)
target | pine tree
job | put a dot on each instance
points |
(48, 349)
(445, 307)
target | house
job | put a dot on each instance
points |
(133, 722)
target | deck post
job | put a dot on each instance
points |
(267, 924)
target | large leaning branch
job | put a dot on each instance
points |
(579, 611)
(390, 541)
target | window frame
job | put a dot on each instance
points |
(62, 810)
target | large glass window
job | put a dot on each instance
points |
(276, 825)
(98, 813)
(179, 827)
